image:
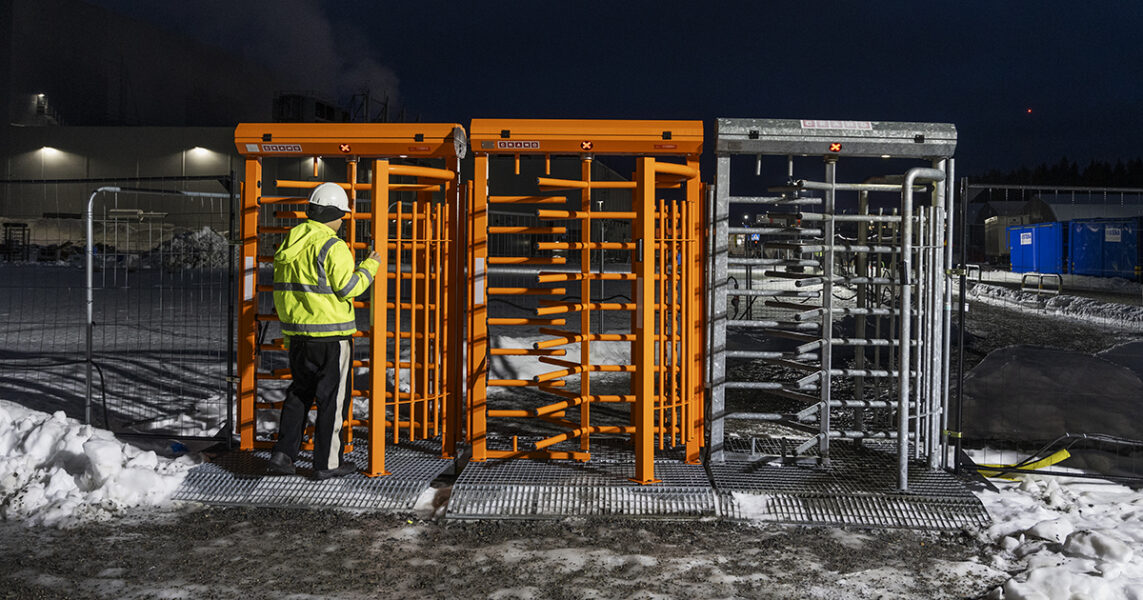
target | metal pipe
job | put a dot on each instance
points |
(946, 309)
(924, 173)
(828, 208)
(958, 432)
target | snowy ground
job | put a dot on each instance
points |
(88, 516)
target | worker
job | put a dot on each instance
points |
(315, 282)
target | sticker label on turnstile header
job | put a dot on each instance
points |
(1026, 238)
(282, 148)
(517, 145)
(843, 125)
(1113, 234)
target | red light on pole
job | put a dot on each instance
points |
(835, 147)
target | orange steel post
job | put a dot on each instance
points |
(248, 305)
(351, 239)
(585, 298)
(379, 320)
(643, 231)
(478, 313)
(695, 344)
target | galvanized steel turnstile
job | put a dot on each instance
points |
(411, 180)
(659, 274)
(829, 274)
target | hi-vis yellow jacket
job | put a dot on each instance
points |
(315, 282)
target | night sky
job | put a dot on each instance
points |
(1024, 82)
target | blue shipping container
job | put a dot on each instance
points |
(1104, 247)
(1037, 248)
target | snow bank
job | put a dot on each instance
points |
(1075, 307)
(204, 248)
(56, 471)
(1066, 538)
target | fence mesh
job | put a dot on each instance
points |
(161, 312)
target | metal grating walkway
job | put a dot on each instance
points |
(555, 489)
(239, 478)
(754, 483)
(859, 490)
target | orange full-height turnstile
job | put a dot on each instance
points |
(407, 174)
(660, 266)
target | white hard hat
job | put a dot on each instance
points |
(330, 194)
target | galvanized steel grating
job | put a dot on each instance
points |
(858, 490)
(238, 478)
(601, 487)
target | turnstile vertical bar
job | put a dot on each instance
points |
(829, 240)
(247, 323)
(585, 299)
(379, 320)
(478, 309)
(717, 263)
(643, 232)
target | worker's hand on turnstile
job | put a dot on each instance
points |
(373, 254)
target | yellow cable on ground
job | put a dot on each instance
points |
(1058, 456)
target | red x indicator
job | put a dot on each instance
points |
(835, 147)
(344, 148)
(586, 145)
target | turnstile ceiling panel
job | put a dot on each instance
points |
(811, 137)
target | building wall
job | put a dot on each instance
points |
(38, 154)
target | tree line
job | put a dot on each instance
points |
(1065, 172)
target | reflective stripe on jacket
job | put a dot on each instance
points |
(315, 282)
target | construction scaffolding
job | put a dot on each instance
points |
(407, 208)
(658, 327)
(831, 306)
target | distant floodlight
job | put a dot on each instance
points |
(49, 151)
(199, 151)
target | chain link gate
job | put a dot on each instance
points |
(660, 324)
(896, 325)
(412, 328)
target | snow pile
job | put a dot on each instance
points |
(1066, 538)
(55, 471)
(205, 248)
(1085, 309)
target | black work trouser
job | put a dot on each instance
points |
(320, 371)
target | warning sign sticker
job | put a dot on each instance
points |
(1113, 234)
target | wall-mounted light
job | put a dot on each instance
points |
(48, 152)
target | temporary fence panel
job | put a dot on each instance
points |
(409, 213)
(119, 311)
(1037, 248)
(660, 324)
(844, 309)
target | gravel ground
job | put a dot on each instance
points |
(247, 553)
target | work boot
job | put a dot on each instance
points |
(345, 468)
(280, 464)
